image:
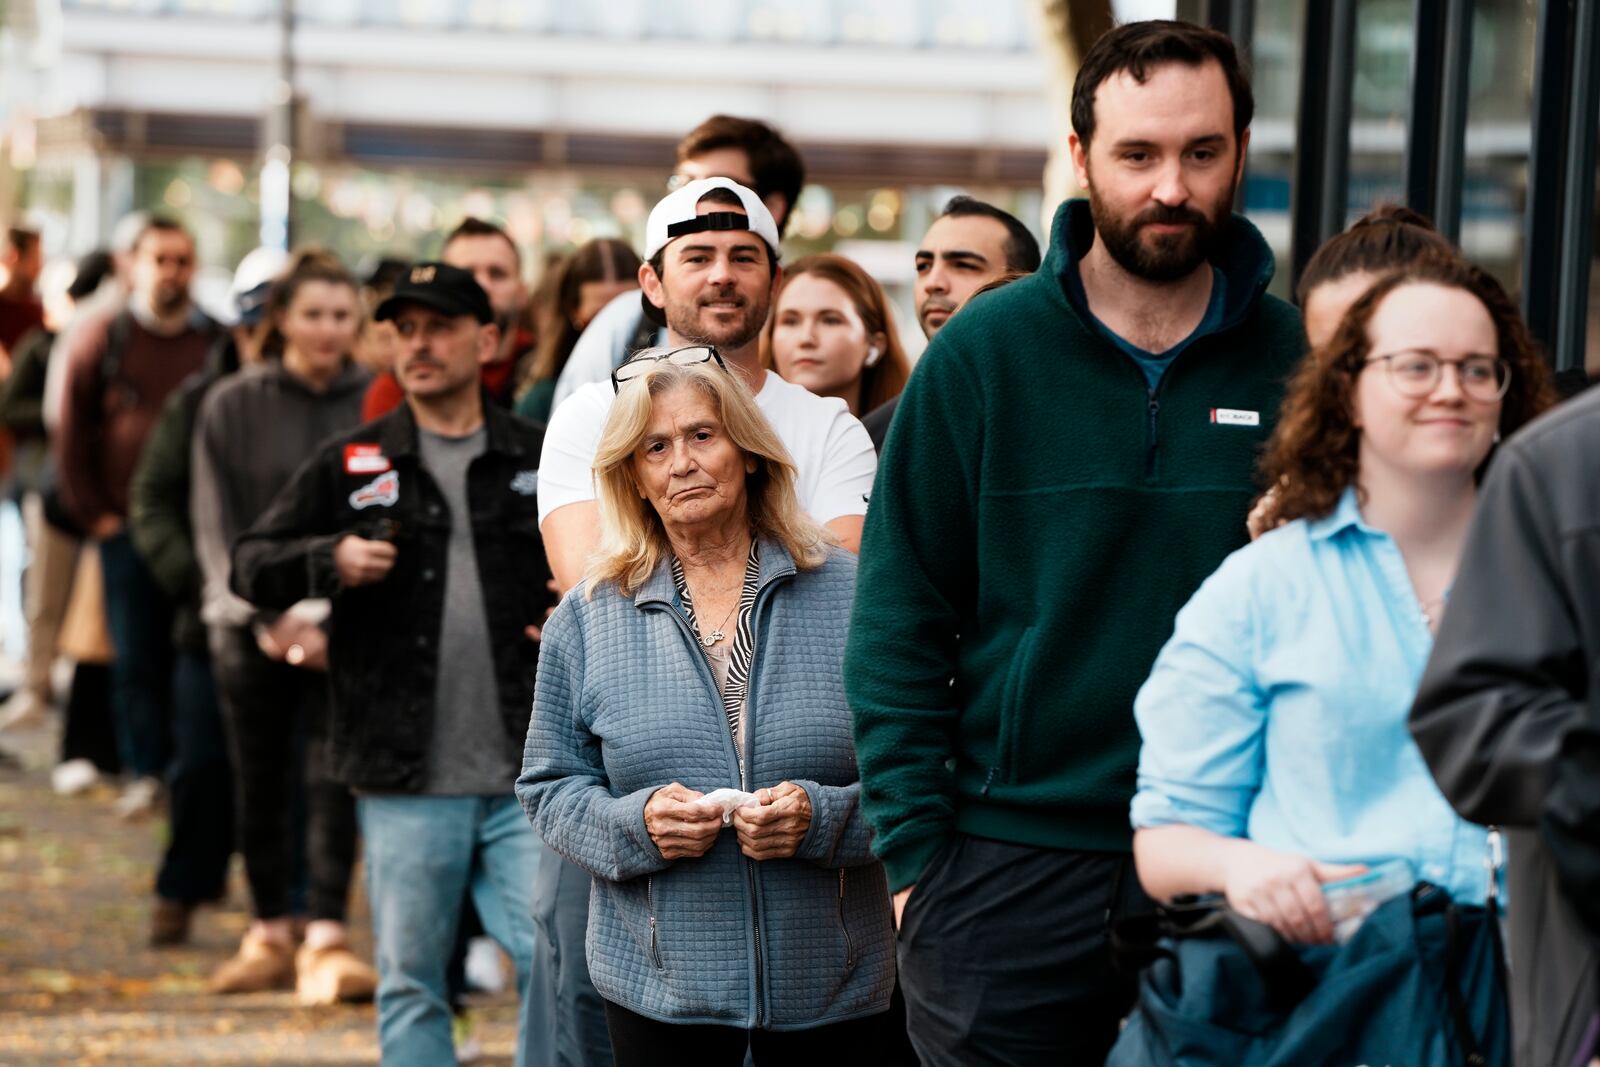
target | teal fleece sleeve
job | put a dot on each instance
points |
(915, 583)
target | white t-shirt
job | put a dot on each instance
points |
(833, 455)
(602, 346)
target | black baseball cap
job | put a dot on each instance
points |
(441, 287)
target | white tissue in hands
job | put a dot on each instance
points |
(727, 800)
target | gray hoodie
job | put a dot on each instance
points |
(254, 431)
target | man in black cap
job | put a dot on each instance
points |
(422, 529)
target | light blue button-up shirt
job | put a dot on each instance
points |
(1277, 711)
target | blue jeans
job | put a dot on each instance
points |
(139, 617)
(562, 1001)
(423, 853)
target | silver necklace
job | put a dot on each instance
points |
(715, 635)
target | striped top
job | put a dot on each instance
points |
(735, 680)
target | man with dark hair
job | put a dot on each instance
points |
(751, 153)
(492, 257)
(968, 246)
(420, 528)
(1074, 455)
(20, 310)
(120, 368)
(711, 250)
(747, 151)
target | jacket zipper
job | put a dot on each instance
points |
(742, 761)
(749, 757)
(849, 944)
(650, 902)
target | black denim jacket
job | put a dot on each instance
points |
(383, 638)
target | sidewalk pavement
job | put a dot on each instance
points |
(79, 984)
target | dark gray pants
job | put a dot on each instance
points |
(289, 810)
(1005, 959)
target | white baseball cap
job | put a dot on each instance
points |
(677, 214)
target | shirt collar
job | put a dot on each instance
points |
(1345, 514)
(659, 588)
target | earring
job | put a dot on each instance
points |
(1497, 437)
(873, 355)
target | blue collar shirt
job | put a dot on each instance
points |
(1277, 711)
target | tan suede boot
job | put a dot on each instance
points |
(332, 974)
(259, 965)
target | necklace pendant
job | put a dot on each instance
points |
(712, 638)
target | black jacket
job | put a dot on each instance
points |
(1508, 712)
(383, 638)
(158, 510)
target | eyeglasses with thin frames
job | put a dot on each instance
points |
(688, 356)
(1416, 374)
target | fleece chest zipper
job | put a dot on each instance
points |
(1151, 432)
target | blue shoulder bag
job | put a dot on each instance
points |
(1421, 983)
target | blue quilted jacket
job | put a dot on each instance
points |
(624, 704)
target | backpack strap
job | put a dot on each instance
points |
(118, 336)
(113, 383)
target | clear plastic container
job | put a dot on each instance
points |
(1351, 900)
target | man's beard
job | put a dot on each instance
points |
(168, 301)
(1167, 257)
(683, 317)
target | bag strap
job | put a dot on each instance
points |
(1452, 988)
(118, 334)
(1471, 1048)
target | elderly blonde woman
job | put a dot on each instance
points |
(691, 748)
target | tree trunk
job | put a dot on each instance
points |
(1066, 29)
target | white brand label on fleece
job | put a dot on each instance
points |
(1235, 417)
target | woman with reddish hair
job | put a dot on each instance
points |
(1276, 758)
(832, 332)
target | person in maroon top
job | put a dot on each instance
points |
(120, 367)
(20, 310)
(492, 256)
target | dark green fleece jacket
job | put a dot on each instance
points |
(1039, 517)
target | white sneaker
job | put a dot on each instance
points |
(74, 776)
(139, 799)
(485, 967)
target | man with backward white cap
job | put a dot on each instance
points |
(711, 251)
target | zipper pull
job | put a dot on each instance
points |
(987, 782)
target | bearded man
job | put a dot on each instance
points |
(711, 251)
(1073, 456)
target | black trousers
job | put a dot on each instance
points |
(638, 1041)
(199, 788)
(276, 716)
(1005, 958)
(89, 731)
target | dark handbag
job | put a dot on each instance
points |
(1420, 984)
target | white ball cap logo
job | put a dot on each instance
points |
(682, 205)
